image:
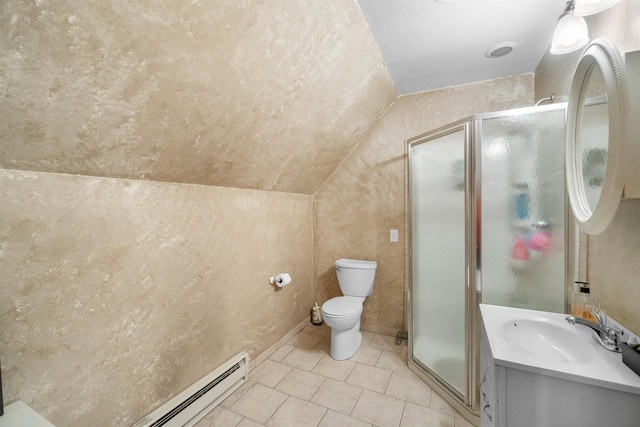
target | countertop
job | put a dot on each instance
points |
(605, 370)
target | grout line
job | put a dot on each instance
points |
(404, 407)
(325, 414)
(387, 386)
(356, 404)
(378, 358)
(276, 411)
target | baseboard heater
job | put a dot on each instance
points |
(190, 406)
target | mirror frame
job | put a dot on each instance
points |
(600, 53)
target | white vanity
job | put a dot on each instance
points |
(537, 370)
(19, 414)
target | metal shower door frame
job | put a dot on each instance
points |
(469, 403)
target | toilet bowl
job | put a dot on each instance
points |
(342, 314)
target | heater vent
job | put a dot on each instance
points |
(194, 403)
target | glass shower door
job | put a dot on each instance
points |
(523, 210)
(488, 211)
(437, 184)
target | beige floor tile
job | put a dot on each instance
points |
(300, 384)
(379, 409)
(305, 340)
(369, 377)
(310, 328)
(337, 395)
(303, 359)
(249, 423)
(336, 419)
(281, 353)
(459, 421)
(391, 341)
(322, 329)
(419, 416)
(259, 403)
(220, 417)
(269, 373)
(385, 342)
(366, 337)
(323, 346)
(411, 389)
(336, 369)
(367, 355)
(439, 404)
(297, 413)
(404, 353)
(233, 397)
(393, 362)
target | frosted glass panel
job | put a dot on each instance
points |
(438, 256)
(523, 217)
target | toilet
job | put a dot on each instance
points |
(342, 314)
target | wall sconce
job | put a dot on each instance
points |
(571, 33)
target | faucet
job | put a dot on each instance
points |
(609, 338)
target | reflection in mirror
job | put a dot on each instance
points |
(596, 119)
(594, 134)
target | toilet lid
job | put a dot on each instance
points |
(342, 306)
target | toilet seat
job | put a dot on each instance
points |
(342, 307)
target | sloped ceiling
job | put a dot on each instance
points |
(266, 95)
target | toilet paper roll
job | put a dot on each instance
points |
(283, 279)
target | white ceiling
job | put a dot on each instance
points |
(429, 44)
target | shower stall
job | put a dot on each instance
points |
(488, 223)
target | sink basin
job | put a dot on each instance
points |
(547, 340)
(544, 343)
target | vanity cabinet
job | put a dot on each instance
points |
(518, 396)
(489, 402)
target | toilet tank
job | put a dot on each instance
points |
(356, 276)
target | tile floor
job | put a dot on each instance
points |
(301, 385)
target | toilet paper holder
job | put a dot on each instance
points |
(282, 279)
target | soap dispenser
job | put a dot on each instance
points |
(582, 302)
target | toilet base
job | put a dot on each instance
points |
(346, 342)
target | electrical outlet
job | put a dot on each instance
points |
(393, 235)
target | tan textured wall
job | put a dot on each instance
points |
(118, 294)
(365, 197)
(611, 257)
(188, 91)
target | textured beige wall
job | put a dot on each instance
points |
(612, 257)
(365, 197)
(188, 91)
(118, 294)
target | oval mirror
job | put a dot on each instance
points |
(596, 122)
